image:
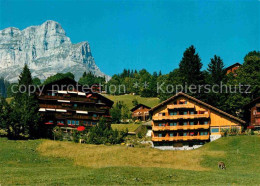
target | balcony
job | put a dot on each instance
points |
(188, 106)
(73, 99)
(70, 108)
(140, 114)
(180, 138)
(180, 127)
(176, 117)
(257, 115)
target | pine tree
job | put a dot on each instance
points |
(216, 70)
(25, 117)
(190, 67)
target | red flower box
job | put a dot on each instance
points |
(81, 128)
(60, 124)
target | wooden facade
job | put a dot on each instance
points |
(141, 112)
(232, 68)
(183, 120)
(253, 113)
(64, 103)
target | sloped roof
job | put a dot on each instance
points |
(139, 105)
(231, 66)
(200, 102)
(257, 100)
(68, 80)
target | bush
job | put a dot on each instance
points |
(76, 135)
(234, 131)
(3, 132)
(249, 132)
(57, 134)
(103, 133)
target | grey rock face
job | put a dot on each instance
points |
(46, 49)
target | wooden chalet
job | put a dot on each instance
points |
(65, 103)
(183, 120)
(233, 68)
(253, 113)
(141, 112)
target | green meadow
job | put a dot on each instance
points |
(128, 98)
(46, 162)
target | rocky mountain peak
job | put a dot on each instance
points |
(46, 49)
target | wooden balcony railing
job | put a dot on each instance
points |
(176, 117)
(140, 114)
(180, 106)
(180, 127)
(89, 109)
(47, 97)
(180, 138)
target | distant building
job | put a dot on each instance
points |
(253, 113)
(233, 68)
(140, 112)
(183, 120)
(64, 104)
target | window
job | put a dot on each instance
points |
(191, 122)
(185, 123)
(60, 122)
(160, 135)
(203, 133)
(185, 134)
(171, 134)
(191, 112)
(214, 130)
(94, 115)
(175, 123)
(185, 102)
(185, 113)
(50, 121)
(73, 122)
(206, 122)
(173, 113)
(69, 122)
(77, 122)
(84, 122)
(52, 94)
(171, 124)
(75, 105)
(160, 124)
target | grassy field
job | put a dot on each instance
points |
(122, 127)
(127, 99)
(45, 162)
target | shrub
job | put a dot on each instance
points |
(224, 132)
(234, 131)
(57, 134)
(3, 132)
(249, 132)
(103, 133)
(76, 135)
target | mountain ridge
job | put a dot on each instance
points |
(46, 49)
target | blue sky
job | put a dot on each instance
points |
(146, 33)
